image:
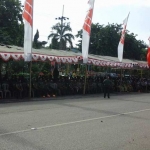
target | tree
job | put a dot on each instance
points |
(79, 35)
(133, 48)
(54, 44)
(36, 43)
(36, 36)
(62, 31)
(104, 40)
(11, 23)
(143, 54)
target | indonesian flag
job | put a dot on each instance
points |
(87, 31)
(28, 29)
(121, 43)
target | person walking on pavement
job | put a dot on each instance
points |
(107, 86)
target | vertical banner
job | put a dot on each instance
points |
(28, 29)
(121, 43)
(87, 31)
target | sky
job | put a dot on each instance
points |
(105, 11)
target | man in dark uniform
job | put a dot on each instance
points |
(107, 86)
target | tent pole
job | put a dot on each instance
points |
(30, 87)
(130, 72)
(141, 73)
(78, 70)
(121, 75)
(85, 79)
(68, 69)
(0, 69)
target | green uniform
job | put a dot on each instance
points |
(107, 85)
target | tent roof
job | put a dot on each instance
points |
(17, 53)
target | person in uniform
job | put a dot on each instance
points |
(107, 86)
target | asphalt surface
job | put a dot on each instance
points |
(77, 123)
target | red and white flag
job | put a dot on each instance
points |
(87, 31)
(28, 29)
(121, 43)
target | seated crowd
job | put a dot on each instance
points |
(18, 87)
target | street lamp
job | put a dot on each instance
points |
(62, 18)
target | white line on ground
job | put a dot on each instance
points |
(73, 122)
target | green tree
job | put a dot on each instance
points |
(54, 44)
(36, 43)
(62, 31)
(143, 54)
(79, 35)
(133, 48)
(11, 23)
(104, 40)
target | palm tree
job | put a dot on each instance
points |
(62, 36)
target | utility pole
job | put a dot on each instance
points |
(62, 18)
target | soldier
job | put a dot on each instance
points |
(107, 86)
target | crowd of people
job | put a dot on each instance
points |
(46, 86)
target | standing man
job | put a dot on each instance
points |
(107, 86)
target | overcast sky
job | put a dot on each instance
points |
(112, 11)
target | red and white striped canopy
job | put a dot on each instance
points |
(61, 56)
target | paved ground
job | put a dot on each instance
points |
(77, 123)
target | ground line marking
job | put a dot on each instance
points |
(73, 122)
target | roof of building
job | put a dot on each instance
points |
(16, 53)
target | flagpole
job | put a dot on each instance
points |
(30, 63)
(28, 36)
(86, 37)
(85, 79)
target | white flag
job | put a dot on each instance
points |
(121, 43)
(28, 29)
(87, 31)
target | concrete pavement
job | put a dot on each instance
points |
(87, 123)
(12, 100)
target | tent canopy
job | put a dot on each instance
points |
(61, 56)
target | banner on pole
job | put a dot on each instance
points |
(28, 29)
(87, 31)
(121, 43)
